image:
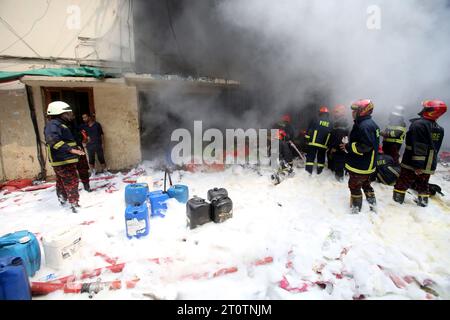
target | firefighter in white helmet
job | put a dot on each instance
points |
(63, 152)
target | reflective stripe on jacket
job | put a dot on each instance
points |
(363, 146)
(60, 141)
(423, 142)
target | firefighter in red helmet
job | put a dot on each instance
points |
(362, 153)
(318, 136)
(423, 142)
(285, 135)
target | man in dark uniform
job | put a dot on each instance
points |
(63, 152)
(394, 134)
(362, 152)
(318, 135)
(95, 144)
(423, 142)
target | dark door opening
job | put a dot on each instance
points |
(80, 99)
(160, 113)
(157, 121)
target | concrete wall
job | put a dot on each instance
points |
(116, 109)
(17, 138)
(54, 29)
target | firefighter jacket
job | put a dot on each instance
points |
(60, 141)
(363, 146)
(319, 132)
(340, 130)
(396, 130)
(387, 170)
(423, 142)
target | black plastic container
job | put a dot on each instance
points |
(221, 209)
(217, 193)
(198, 212)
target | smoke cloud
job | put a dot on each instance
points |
(295, 55)
(327, 46)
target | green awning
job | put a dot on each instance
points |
(56, 72)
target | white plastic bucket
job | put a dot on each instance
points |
(61, 246)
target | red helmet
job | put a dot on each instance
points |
(339, 110)
(286, 118)
(281, 134)
(323, 109)
(363, 107)
(433, 109)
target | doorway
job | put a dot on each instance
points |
(81, 100)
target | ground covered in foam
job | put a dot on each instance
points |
(296, 240)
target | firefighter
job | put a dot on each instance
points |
(362, 151)
(63, 152)
(285, 136)
(394, 134)
(387, 170)
(423, 141)
(336, 156)
(318, 136)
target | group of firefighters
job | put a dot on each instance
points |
(358, 151)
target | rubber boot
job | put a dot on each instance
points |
(87, 187)
(422, 201)
(339, 176)
(279, 175)
(290, 168)
(62, 200)
(399, 196)
(370, 196)
(356, 203)
(319, 170)
(309, 168)
(275, 178)
(74, 207)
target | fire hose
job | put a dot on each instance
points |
(68, 284)
(298, 151)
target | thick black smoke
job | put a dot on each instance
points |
(295, 55)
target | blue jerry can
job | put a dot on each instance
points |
(136, 221)
(22, 244)
(14, 282)
(179, 192)
(136, 194)
(158, 203)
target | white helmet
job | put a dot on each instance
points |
(58, 107)
(398, 111)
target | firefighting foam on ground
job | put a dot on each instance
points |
(119, 179)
